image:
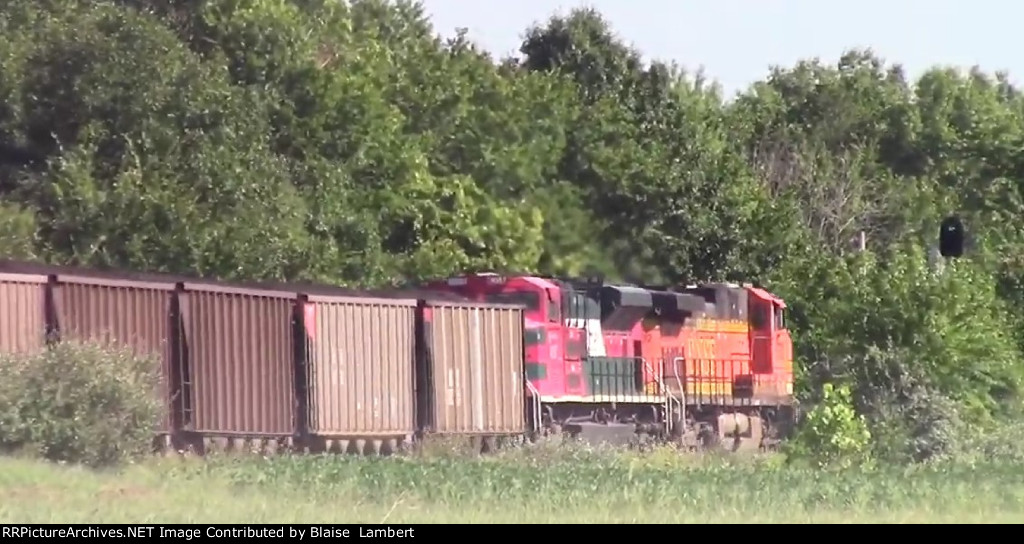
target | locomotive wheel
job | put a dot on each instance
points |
(709, 440)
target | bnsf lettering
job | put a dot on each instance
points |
(700, 348)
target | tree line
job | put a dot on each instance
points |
(346, 142)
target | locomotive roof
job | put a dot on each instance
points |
(625, 295)
(672, 302)
(766, 296)
(631, 291)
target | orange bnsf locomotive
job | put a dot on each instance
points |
(704, 366)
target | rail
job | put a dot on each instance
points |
(536, 405)
(670, 398)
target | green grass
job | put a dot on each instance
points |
(539, 485)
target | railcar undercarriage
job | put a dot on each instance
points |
(702, 428)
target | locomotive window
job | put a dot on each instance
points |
(757, 317)
(574, 306)
(578, 309)
(780, 320)
(528, 299)
(582, 307)
(553, 313)
(535, 336)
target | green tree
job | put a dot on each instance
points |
(649, 151)
(153, 160)
(346, 142)
(914, 342)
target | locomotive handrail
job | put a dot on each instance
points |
(669, 396)
(657, 377)
(682, 388)
(536, 405)
(675, 363)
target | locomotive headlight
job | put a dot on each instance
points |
(789, 388)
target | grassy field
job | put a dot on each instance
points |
(539, 486)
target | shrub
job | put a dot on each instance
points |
(833, 433)
(1000, 446)
(927, 351)
(80, 403)
(919, 424)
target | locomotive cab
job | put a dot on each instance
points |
(772, 352)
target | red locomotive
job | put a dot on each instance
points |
(705, 365)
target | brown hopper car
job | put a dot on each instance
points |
(360, 360)
(313, 366)
(22, 312)
(471, 368)
(130, 313)
(239, 351)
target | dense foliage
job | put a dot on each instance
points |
(80, 402)
(346, 142)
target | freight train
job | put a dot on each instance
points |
(481, 356)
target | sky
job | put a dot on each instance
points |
(736, 41)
